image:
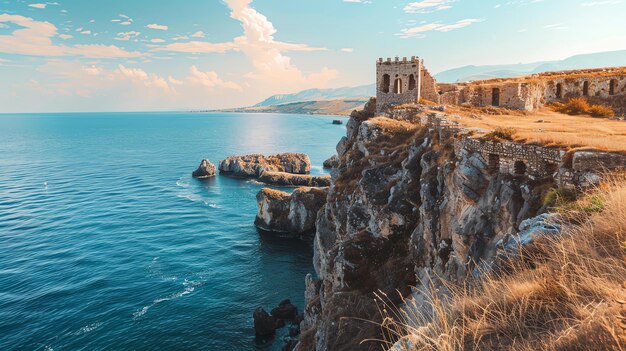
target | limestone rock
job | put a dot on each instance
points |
(285, 310)
(289, 179)
(264, 324)
(255, 164)
(337, 122)
(205, 170)
(332, 162)
(291, 214)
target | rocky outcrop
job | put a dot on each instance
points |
(205, 170)
(292, 214)
(265, 324)
(289, 179)
(254, 165)
(332, 162)
(405, 209)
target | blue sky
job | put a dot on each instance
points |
(77, 55)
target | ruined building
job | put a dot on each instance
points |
(407, 81)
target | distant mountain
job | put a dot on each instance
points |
(595, 60)
(360, 92)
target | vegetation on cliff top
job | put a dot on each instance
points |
(564, 293)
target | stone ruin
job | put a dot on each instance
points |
(407, 81)
(573, 171)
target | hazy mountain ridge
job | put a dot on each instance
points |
(363, 91)
(594, 60)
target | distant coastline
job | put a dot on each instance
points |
(336, 107)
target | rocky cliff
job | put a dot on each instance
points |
(254, 165)
(406, 208)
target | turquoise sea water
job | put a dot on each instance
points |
(107, 243)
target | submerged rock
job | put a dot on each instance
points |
(205, 170)
(294, 214)
(289, 179)
(332, 162)
(254, 165)
(337, 122)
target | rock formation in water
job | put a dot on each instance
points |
(413, 205)
(332, 162)
(205, 170)
(253, 165)
(289, 179)
(292, 214)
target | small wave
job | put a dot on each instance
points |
(254, 181)
(196, 198)
(189, 285)
(181, 183)
(88, 328)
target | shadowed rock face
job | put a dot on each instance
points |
(403, 209)
(205, 170)
(289, 214)
(288, 179)
(332, 162)
(253, 165)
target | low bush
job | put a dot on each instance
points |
(500, 134)
(580, 106)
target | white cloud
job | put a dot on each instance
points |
(358, 1)
(210, 80)
(125, 36)
(85, 32)
(126, 23)
(157, 40)
(425, 6)
(38, 6)
(65, 36)
(418, 31)
(35, 39)
(198, 34)
(603, 2)
(157, 26)
(347, 50)
(271, 68)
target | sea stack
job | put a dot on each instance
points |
(251, 166)
(205, 170)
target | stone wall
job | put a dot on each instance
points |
(397, 82)
(514, 158)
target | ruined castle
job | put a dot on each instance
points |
(406, 81)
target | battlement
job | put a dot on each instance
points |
(396, 60)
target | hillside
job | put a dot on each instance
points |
(594, 60)
(339, 107)
(361, 92)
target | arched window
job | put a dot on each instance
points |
(586, 88)
(412, 83)
(384, 84)
(519, 168)
(612, 86)
(398, 86)
(495, 97)
(559, 91)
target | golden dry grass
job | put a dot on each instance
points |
(556, 129)
(566, 293)
(580, 106)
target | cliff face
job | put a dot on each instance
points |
(404, 209)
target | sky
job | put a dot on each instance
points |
(148, 55)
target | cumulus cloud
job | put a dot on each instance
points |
(125, 36)
(34, 38)
(210, 80)
(38, 6)
(198, 34)
(271, 66)
(418, 31)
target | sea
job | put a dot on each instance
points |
(108, 243)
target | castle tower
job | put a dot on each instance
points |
(398, 82)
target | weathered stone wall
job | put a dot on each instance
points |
(388, 73)
(428, 85)
(514, 158)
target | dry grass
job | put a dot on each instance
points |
(580, 106)
(555, 129)
(565, 293)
